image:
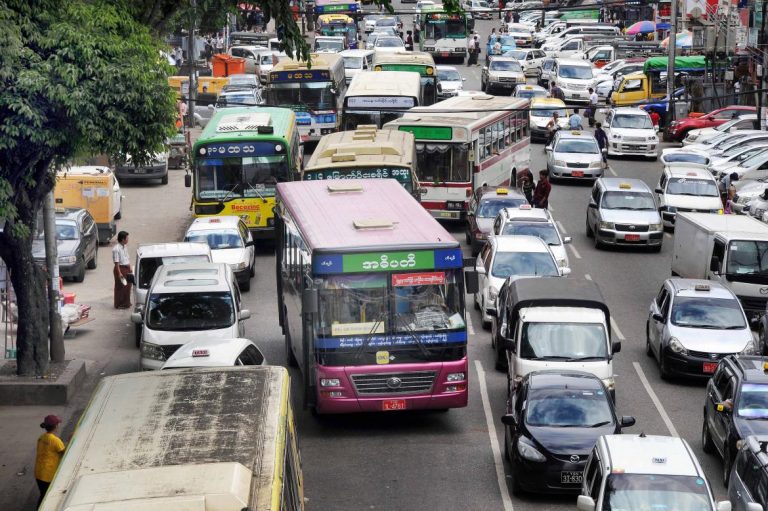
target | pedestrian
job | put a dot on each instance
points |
(507, 17)
(556, 92)
(525, 178)
(516, 17)
(655, 119)
(501, 8)
(574, 121)
(541, 193)
(592, 106)
(416, 34)
(493, 36)
(552, 126)
(737, 92)
(122, 272)
(602, 140)
(50, 449)
(409, 41)
(472, 58)
(726, 182)
(182, 109)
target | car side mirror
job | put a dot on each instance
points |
(567, 240)
(723, 408)
(485, 68)
(548, 149)
(463, 79)
(564, 272)
(509, 420)
(136, 318)
(245, 314)
(659, 190)
(480, 270)
(585, 503)
(615, 347)
(188, 180)
(724, 505)
(657, 317)
(250, 243)
(423, 191)
(593, 204)
(211, 108)
(470, 281)
(627, 421)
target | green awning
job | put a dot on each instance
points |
(681, 63)
(582, 14)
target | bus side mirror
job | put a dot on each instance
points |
(471, 282)
(615, 347)
(714, 264)
(309, 301)
(188, 180)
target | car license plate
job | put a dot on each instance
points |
(571, 477)
(393, 404)
(139, 171)
(631, 237)
(445, 54)
(709, 367)
(577, 173)
(445, 214)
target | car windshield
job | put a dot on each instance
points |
(637, 122)
(638, 492)
(530, 93)
(544, 230)
(575, 72)
(755, 160)
(516, 54)
(353, 62)
(389, 42)
(267, 59)
(548, 111)
(329, 44)
(531, 264)
(190, 311)
(753, 401)
(567, 408)
(577, 146)
(563, 341)
(748, 258)
(695, 187)
(718, 138)
(490, 208)
(235, 100)
(747, 154)
(704, 312)
(635, 201)
(729, 140)
(681, 157)
(448, 75)
(507, 40)
(64, 231)
(217, 240)
(386, 22)
(243, 80)
(505, 65)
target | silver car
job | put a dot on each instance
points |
(692, 324)
(624, 212)
(574, 155)
(451, 82)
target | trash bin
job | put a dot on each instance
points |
(225, 65)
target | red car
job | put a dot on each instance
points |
(679, 129)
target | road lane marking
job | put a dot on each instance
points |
(615, 327)
(655, 399)
(575, 252)
(560, 226)
(667, 235)
(470, 327)
(588, 276)
(497, 460)
(610, 169)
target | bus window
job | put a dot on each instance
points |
(488, 139)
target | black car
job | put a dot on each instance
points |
(735, 407)
(553, 421)
(482, 210)
(157, 168)
(77, 241)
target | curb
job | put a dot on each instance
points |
(44, 392)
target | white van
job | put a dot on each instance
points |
(574, 77)
(151, 257)
(185, 299)
(357, 61)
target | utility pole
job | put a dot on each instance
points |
(671, 64)
(192, 95)
(55, 332)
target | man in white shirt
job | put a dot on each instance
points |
(592, 107)
(122, 272)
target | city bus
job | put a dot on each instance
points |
(370, 298)
(465, 142)
(414, 61)
(181, 439)
(315, 93)
(237, 161)
(377, 98)
(338, 25)
(444, 35)
(366, 152)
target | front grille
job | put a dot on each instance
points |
(578, 165)
(575, 86)
(634, 139)
(507, 79)
(170, 349)
(753, 303)
(393, 383)
(631, 228)
(708, 356)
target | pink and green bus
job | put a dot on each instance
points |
(370, 298)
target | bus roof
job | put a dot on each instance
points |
(335, 220)
(177, 435)
(319, 61)
(363, 147)
(419, 58)
(236, 123)
(385, 83)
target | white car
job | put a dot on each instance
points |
(754, 168)
(527, 221)
(451, 82)
(521, 34)
(216, 353)
(680, 155)
(530, 59)
(388, 44)
(511, 256)
(329, 44)
(697, 136)
(574, 77)
(721, 165)
(230, 242)
(631, 132)
(480, 9)
(684, 188)
(746, 192)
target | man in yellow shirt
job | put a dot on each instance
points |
(50, 448)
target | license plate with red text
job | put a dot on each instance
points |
(709, 367)
(577, 173)
(393, 404)
(632, 237)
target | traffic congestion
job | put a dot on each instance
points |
(471, 264)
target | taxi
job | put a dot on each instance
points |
(530, 91)
(623, 212)
(483, 207)
(528, 221)
(686, 189)
(574, 155)
(216, 353)
(230, 241)
(539, 114)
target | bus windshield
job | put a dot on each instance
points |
(441, 29)
(443, 163)
(229, 178)
(190, 311)
(312, 95)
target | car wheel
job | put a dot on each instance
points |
(474, 300)
(590, 232)
(726, 466)
(648, 348)
(663, 368)
(252, 273)
(245, 286)
(598, 243)
(137, 334)
(164, 180)
(94, 261)
(706, 439)
(119, 214)
(80, 275)
(486, 323)
(506, 447)
(501, 359)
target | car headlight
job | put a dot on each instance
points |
(528, 451)
(596, 165)
(238, 266)
(652, 139)
(67, 259)
(691, 138)
(606, 225)
(456, 377)
(615, 136)
(560, 163)
(677, 347)
(750, 348)
(655, 227)
(492, 293)
(609, 383)
(152, 351)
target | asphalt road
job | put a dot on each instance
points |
(447, 461)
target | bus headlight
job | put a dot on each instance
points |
(455, 377)
(152, 351)
(330, 382)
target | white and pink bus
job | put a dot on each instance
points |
(371, 297)
(466, 142)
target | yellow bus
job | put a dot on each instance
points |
(237, 161)
(377, 98)
(180, 439)
(366, 152)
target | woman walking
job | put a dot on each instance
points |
(50, 448)
(122, 272)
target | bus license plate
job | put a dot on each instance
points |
(632, 237)
(393, 404)
(709, 367)
(577, 173)
(445, 54)
(571, 477)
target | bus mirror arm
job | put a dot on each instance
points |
(188, 180)
(309, 301)
(471, 281)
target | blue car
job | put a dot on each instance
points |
(507, 44)
(660, 105)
